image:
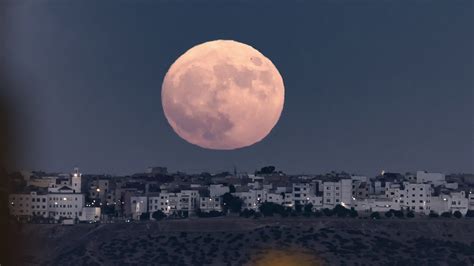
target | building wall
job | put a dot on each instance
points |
(336, 193)
(207, 204)
(138, 205)
(218, 190)
(416, 197)
(434, 178)
(66, 205)
(20, 204)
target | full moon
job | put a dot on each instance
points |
(222, 95)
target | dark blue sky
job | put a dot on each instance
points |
(370, 85)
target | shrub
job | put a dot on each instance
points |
(270, 208)
(353, 213)
(340, 211)
(410, 214)
(457, 214)
(308, 209)
(446, 214)
(158, 215)
(317, 213)
(470, 213)
(327, 212)
(375, 215)
(398, 213)
(247, 213)
(199, 213)
(389, 214)
(433, 214)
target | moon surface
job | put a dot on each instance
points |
(222, 95)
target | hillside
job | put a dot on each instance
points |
(238, 241)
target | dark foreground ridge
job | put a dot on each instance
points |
(237, 241)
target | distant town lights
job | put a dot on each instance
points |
(98, 190)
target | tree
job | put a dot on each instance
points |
(340, 211)
(375, 215)
(298, 208)
(446, 214)
(232, 203)
(318, 213)
(269, 208)
(457, 214)
(327, 212)
(388, 214)
(410, 214)
(232, 189)
(353, 213)
(266, 170)
(247, 213)
(433, 214)
(158, 215)
(308, 209)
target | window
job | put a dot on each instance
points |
(413, 201)
(421, 201)
(337, 200)
(44, 199)
(328, 200)
(337, 188)
(421, 188)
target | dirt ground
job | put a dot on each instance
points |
(261, 242)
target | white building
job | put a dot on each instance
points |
(65, 205)
(452, 202)
(218, 190)
(277, 198)
(251, 198)
(20, 204)
(338, 192)
(376, 204)
(471, 200)
(63, 200)
(90, 214)
(138, 206)
(359, 178)
(436, 179)
(208, 204)
(416, 197)
(302, 192)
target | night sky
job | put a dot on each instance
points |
(370, 85)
